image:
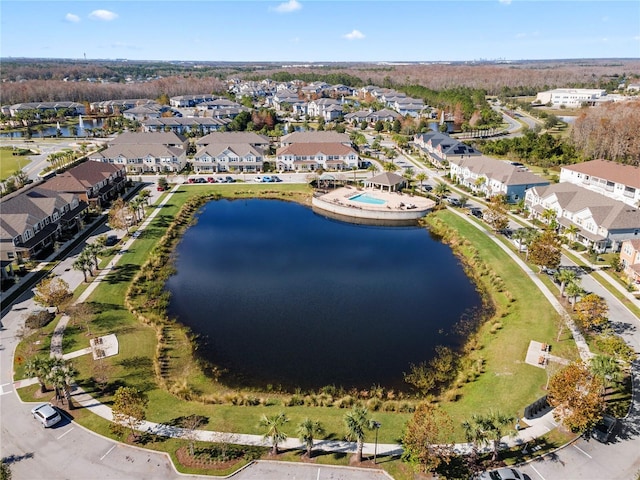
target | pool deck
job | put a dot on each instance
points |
(398, 206)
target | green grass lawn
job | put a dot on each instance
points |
(10, 163)
(507, 382)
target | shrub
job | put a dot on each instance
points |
(38, 319)
(374, 404)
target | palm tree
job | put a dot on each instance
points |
(441, 190)
(421, 177)
(408, 175)
(40, 368)
(372, 168)
(574, 290)
(357, 422)
(273, 425)
(549, 215)
(607, 368)
(307, 430)
(82, 265)
(93, 250)
(389, 167)
(565, 276)
(571, 231)
(476, 436)
(144, 196)
(487, 428)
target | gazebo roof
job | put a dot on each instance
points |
(386, 179)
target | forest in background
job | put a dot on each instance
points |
(608, 132)
(56, 80)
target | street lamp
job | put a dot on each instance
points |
(377, 426)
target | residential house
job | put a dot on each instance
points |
(371, 117)
(308, 157)
(73, 108)
(147, 152)
(614, 180)
(327, 108)
(118, 106)
(33, 219)
(95, 183)
(630, 259)
(181, 125)
(143, 112)
(602, 223)
(491, 177)
(285, 100)
(324, 136)
(182, 101)
(230, 152)
(441, 148)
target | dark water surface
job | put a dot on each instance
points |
(287, 297)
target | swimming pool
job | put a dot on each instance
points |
(366, 198)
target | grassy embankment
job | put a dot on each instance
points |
(495, 367)
(10, 163)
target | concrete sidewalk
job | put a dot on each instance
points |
(536, 427)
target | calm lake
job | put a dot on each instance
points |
(284, 296)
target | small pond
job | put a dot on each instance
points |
(283, 296)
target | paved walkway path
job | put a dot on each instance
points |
(583, 348)
(536, 427)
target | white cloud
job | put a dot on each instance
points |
(505, 2)
(70, 17)
(521, 35)
(288, 7)
(104, 15)
(354, 35)
(637, 37)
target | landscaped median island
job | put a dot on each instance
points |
(156, 354)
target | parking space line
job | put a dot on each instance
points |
(108, 452)
(65, 433)
(2, 392)
(582, 451)
(534, 469)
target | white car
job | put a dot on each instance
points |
(46, 415)
(502, 474)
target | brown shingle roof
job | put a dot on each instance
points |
(326, 136)
(82, 177)
(315, 149)
(615, 172)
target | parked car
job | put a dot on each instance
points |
(229, 179)
(267, 179)
(258, 179)
(502, 474)
(159, 188)
(46, 415)
(200, 180)
(476, 212)
(427, 188)
(191, 180)
(111, 240)
(604, 429)
(211, 180)
(275, 179)
(453, 201)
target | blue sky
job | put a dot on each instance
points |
(320, 30)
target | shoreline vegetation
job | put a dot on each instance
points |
(159, 355)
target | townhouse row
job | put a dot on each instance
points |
(37, 216)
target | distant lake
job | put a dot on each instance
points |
(284, 296)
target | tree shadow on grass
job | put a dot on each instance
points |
(138, 362)
(122, 273)
(184, 420)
